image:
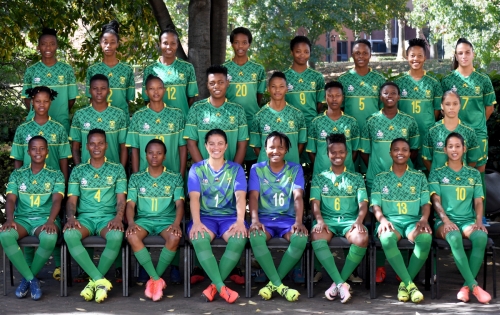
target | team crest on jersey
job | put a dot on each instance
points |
(454, 88)
(60, 79)
(229, 78)
(112, 124)
(22, 187)
(167, 190)
(36, 80)
(404, 132)
(122, 80)
(171, 126)
(374, 88)
(404, 93)
(86, 125)
(146, 127)
(477, 90)
(83, 182)
(471, 181)
(267, 128)
(142, 190)
(254, 76)
(266, 181)
(439, 144)
(413, 190)
(290, 87)
(347, 133)
(231, 119)
(206, 120)
(380, 134)
(229, 179)
(428, 93)
(349, 189)
(385, 190)
(204, 181)
(313, 85)
(181, 76)
(28, 138)
(350, 88)
(291, 124)
(325, 189)
(109, 180)
(323, 134)
(47, 186)
(446, 180)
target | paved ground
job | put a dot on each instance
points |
(175, 303)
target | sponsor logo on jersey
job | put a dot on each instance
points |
(439, 144)
(254, 76)
(291, 124)
(380, 134)
(181, 76)
(229, 179)
(86, 125)
(323, 134)
(290, 87)
(53, 137)
(325, 189)
(477, 90)
(231, 119)
(22, 187)
(83, 182)
(167, 190)
(428, 93)
(313, 85)
(112, 124)
(413, 190)
(60, 79)
(446, 180)
(454, 88)
(28, 138)
(142, 190)
(229, 78)
(385, 190)
(109, 180)
(204, 181)
(36, 80)
(266, 181)
(122, 80)
(267, 128)
(350, 88)
(404, 93)
(146, 127)
(471, 181)
(404, 132)
(206, 120)
(46, 186)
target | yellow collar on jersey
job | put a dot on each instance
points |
(164, 105)
(164, 169)
(407, 168)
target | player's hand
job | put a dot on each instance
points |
(72, 224)
(299, 228)
(385, 226)
(423, 226)
(8, 225)
(197, 228)
(256, 228)
(132, 229)
(319, 227)
(49, 228)
(175, 229)
(449, 226)
(116, 224)
(238, 229)
(478, 226)
(359, 226)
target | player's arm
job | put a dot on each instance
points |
(75, 151)
(135, 160)
(488, 111)
(190, 101)
(117, 222)
(63, 165)
(18, 164)
(241, 150)
(427, 164)
(319, 107)
(192, 146)
(320, 222)
(363, 210)
(27, 103)
(312, 156)
(10, 206)
(385, 225)
(301, 147)
(259, 98)
(438, 207)
(239, 229)
(298, 204)
(130, 215)
(423, 224)
(72, 222)
(253, 206)
(437, 113)
(71, 103)
(123, 155)
(413, 156)
(198, 229)
(354, 155)
(49, 227)
(478, 207)
(365, 157)
(183, 160)
(175, 228)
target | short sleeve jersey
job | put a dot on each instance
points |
(203, 117)
(339, 195)
(180, 83)
(377, 136)
(112, 120)
(361, 94)
(400, 198)
(97, 188)
(289, 121)
(52, 131)
(476, 92)
(434, 143)
(121, 84)
(217, 188)
(457, 191)
(34, 191)
(305, 91)
(320, 128)
(60, 78)
(155, 197)
(276, 189)
(167, 125)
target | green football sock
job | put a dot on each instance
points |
(196, 262)
(423, 243)
(317, 264)
(207, 260)
(322, 251)
(144, 258)
(479, 240)
(42, 254)
(11, 248)
(292, 255)
(231, 256)
(166, 257)
(29, 254)
(352, 260)
(114, 240)
(177, 258)
(389, 243)
(73, 239)
(454, 238)
(263, 255)
(380, 258)
(118, 260)
(56, 254)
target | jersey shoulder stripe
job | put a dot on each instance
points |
(431, 77)
(377, 73)
(484, 75)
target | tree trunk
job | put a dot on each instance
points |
(401, 41)
(218, 31)
(387, 38)
(433, 51)
(164, 19)
(199, 42)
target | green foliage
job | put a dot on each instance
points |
(6, 167)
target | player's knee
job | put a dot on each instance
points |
(8, 235)
(172, 241)
(360, 240)
(133, 239)
(479, 237)
(388, 239)
(241, 241)
(454, 238)
(114, 236)
(46, 238)
(298, 240)
(72, 235)
(424, 238)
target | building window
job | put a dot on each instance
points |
(342, 51)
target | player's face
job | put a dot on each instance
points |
(334, 98)
(216, 146)
(41, 103)
(109, 44)
(416, 57)
(217, 85)
(276, 149)
(99, 90)
(454, 149)
(450, 106)
(464, 55)
(337, 153)
(301, 53)
(48, 46)
(240, 45)
(361, 55)
(389, 96)
(277, 89)
(168, 45)
(38, 151)
(155, 90)
(400, 152)
(155, 155)
(97, 146)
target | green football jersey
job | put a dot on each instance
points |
(97, 188)
(320, 128)
(377, 136)
(476, 92)
(34, 191)
(289, 121)
(112, 120)
(400, 197)
(420, 99)
(457, 191)
(203, 117)
(434, 143)
(305, 91)
(339, 196)
(52, 131)
(60, 78)
(155, 197)
(361, 94)
(180, 83)
(167, 125)
(121, 84)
